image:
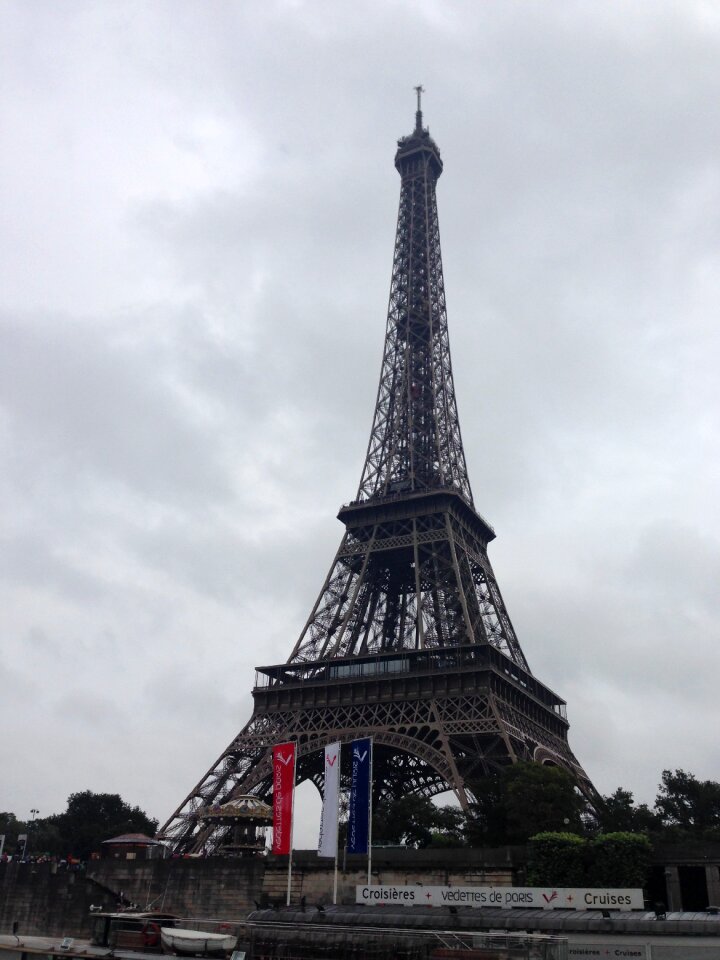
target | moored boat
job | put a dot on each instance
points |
(196, 943)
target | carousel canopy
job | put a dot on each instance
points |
(240, 808)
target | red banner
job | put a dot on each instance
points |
(283, 787)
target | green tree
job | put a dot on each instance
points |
(608, 860)
(522, 800)
(91, 818)
(44, 837)
(620, 860)
(618, 813)
(10, 826)
(557, 859)
(686, 804)
(415, 822)
(540, 798)
(449, 827)
(486, 825)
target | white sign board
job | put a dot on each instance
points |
(545, 898)
(602, 951)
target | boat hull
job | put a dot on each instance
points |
(196, 943)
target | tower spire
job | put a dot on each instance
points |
(419, 90)
(415, 441)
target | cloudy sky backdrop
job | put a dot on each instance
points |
(197, 221)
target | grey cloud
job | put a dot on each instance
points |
(104, 408)
(197, 243)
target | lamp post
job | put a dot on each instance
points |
(33, 812)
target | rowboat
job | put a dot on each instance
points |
(196, 943)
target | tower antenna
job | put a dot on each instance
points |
(419, 90)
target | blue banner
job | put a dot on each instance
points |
(359, 812)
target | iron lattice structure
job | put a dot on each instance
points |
(409, 641)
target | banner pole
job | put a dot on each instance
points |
(292, 825)
(370, 813)
(337, 827)
(335, 878)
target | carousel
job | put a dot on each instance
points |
(246, 819)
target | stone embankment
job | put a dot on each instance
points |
(46, 899)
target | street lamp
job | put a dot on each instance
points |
(33, 813)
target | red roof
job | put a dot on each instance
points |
(139, 839)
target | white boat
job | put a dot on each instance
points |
(191, 943)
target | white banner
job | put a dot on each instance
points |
(545, 898)
(328, 841)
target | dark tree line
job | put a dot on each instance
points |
(528, 798)
(89, 819)
(513, 806)
(685, 809)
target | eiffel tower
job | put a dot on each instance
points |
(409, 641)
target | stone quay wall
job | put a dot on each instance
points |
(46, 899)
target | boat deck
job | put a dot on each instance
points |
(15, 948)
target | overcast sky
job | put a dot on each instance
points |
(197, 221)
